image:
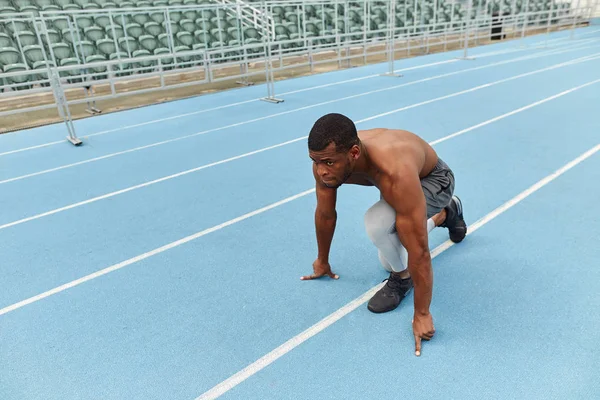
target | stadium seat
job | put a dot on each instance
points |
(166, 62)
(94, 33)
(141, 18)
(186, 38)
(153, 28)
(114, 31)
(9, 55)
(33, 54)
(22, 79)
(50, 7)
(121, 69)
(157, 16)
(106, 46)
(82, 22)
(5, 40)
(148, 42)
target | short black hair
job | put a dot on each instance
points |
(336, 128)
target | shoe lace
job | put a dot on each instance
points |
(394, 282)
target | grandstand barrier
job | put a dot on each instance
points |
(141, 47)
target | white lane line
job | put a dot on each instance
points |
(39, 146)
(149, 254)
(523, 58)
(297, 340)
(486, 85)
(131, 188)
(508, 114)
(256, 100)
(195, 236)
(366, 77)
(482, 55)
(189, 171)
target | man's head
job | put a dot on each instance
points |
(334, 146)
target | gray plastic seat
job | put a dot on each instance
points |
(61, 51)
(153, 28)
(54, 36)
(71, 36)
(99, 66)
(17, 79)
(121, 69)
(94, 33)
(114, 32)
(157, 16)
(26, 38)
(14, 26)
(134, 30)
(141, 18)
(82, 21)
(163, 38)
(126, 43)
(103, 21)
(85, 49)
(145, 63)
(5, 40)
(166, 62)
(9, 55)
(106, 46)
(50, 7)
(148, 42)
(186, 38)
(33, 54)
(187, 25)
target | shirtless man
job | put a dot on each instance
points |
(416, 196)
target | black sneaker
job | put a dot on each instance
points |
(455, 221)
(390, 296)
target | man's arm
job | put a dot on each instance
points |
(405, 195)
(325, 222)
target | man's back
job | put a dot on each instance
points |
(388, 150)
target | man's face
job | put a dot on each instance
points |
(333, 168)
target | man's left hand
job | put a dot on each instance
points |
(422, 329)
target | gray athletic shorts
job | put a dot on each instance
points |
(438, 188)
(380, 218)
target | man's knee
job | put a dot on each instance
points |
(380, 220)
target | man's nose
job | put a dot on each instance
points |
(322, 171)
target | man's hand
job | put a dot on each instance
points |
(422, 329)
(321, 269)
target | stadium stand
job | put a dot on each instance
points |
(34, 33)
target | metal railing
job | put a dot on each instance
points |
(305, 34)
(252, 15)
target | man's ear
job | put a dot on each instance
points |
(355, 152)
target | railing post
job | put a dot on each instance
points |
(268, 66)
(467, 23)
(63, 107)
(390, 40)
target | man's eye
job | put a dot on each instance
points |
(330, 163)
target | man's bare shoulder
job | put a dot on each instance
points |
(388, 133)
(395, 151)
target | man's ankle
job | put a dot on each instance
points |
(440, 218)
(402, 274)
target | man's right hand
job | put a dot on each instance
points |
(320, 269)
